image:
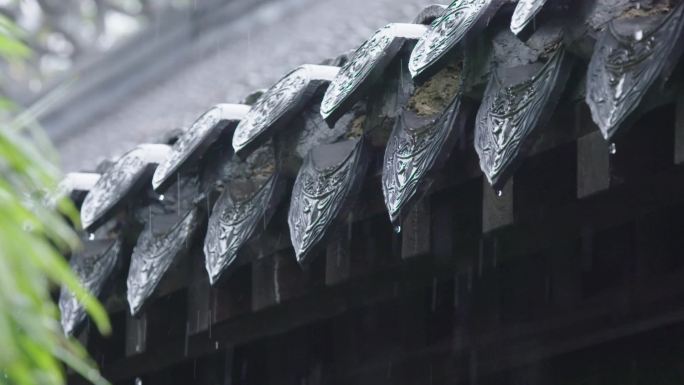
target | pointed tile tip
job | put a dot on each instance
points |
(134, 306)
(394, 217)
(414, 73)
(68, 328)
(213, 278)
(156, 185)
(302, 257)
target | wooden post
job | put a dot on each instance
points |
(442, 229)
(593, 165)
(198, 298)
(497, 206)
(232, 296)
(679, 129)
(337, 264)
(566, 275)
(263, 283)
(136, 334)
(415, 231)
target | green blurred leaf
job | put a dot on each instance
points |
(13, 49)
(34, 236)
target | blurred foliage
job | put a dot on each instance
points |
(33, 238)
(63, 33)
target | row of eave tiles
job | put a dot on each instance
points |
(444, 37)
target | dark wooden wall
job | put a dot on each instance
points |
(575, 274)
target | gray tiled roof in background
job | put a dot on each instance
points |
(222, 64)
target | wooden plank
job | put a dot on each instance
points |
(497, 206)
(593, 165)
(415, 230)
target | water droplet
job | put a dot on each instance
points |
(499, 193)
(138, 381)
(161, 198)
(612, 149)
(638, 35)
(216, 345)
(397, 229)
(91, 236)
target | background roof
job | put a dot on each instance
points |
(164, 78)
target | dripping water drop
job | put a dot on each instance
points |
(91, 236)
(138, 381)
(612, 149)
(161, 197)
(397, 229)
(638, 35)
(499, 193)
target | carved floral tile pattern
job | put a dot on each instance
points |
(232, 224)
(319, 195)
(92, 272)
(446, 32)
(283, 97)
(524, 13)
(410, 155)
(361, 64)
(623, 68)
(206, 128)
(509, 114)
(153, 255)
(112, 186)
